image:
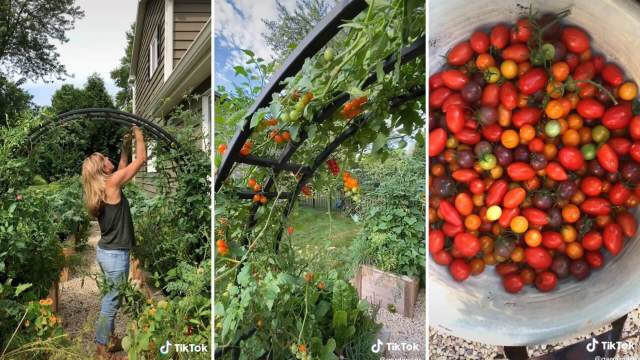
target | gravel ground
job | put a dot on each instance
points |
(405, 330)
(447, 347)
(80, 300)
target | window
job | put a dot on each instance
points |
(154, 52)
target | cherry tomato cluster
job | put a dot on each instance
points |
(354, 107)
(306, 190)
(246, 148)
(298, 108)
(333, 167)
(351, 188)
(280, 137)
(257, 198)
(534, 151)
(223, 249)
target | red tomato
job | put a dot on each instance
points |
(505, 268)
(571, 158)
(628, 223)
(619, 194)
(591, 186)
(612, 74)
(499, 36)
(634, 127)
(612, 238)
(620, 145)
(538, 258)
(598, 62)
(449, 213)
(454, 79)
(523, 30)
(532, 81)
(526, 116)
(634, 151)
(467, 244)
(463, 204)
(451, 230)
(596, 206)
(468, 136)
(556, 172)
(476, 186)
(514, 197)
(438, 96)
(546, 281)
(592, 241)
(584, 71)
(455, 118)
(594, 259)
(459, 269)
(535, 216)
(453, 99)
(479, 42)
(496, 192)
(512, 283)
(572, 60)
(435, 81)
(516, 52)
(491, 95)
(508, 95)
(436, 241)
(575, 39)
(607, 158)
(617, 117)
(442, 257)
(464, 175)
(437, 141)
(520, 171)
(551, 239)
(460, 54)
(536, 145)
(590, 108)
(492, 132)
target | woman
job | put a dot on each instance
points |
(104, 200)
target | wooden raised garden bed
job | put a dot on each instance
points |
(387, 290)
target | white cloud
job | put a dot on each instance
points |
(95, 45)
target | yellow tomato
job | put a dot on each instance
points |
(494, 212)
(519, 224)
(509, 69)
(628, 91)
(569, 233)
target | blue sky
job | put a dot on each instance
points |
(238, 25)
(95, 45)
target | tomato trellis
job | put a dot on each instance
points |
(309, 46)
(103, 114)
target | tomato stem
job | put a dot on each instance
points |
(601, 88)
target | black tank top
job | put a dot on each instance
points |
(116, 226)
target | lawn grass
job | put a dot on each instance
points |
(322, 241)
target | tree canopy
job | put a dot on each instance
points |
(120, 75)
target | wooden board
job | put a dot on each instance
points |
(54, 295)
(383, 289)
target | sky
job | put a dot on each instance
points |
(95, 45)
(238, 25)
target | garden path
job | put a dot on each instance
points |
(405, 330)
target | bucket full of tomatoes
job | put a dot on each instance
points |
(534, 160)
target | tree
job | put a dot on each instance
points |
(288, 29)
(13, 100)
(120, 75)
(29, 30)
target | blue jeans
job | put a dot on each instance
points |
(115, 267)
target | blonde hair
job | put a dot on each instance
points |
(93, 177)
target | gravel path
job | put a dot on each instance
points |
(80, 299)
(445, 347)
(405, 330)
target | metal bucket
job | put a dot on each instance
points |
(479, 309)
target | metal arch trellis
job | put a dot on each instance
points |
(103, 114)
(309, 46)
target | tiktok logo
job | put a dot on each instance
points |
(375, 348)
(164, 349)
(592, 346)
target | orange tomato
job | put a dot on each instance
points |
(472, 222)
(533, 237)
(575, 121)
(523, 67)
(485, 61)
(554, 109)
(504, 116)
(550, 151)
(517, 255)
(628, 91)
(585, 135)
(571, 137)
(574, 250)
(570, 213)
(464, 204)
(527, 133)
(510, 139)
(560, 71)
(554, 89)
(569, 233)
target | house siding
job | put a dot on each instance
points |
(189, 18)
(145, 87)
